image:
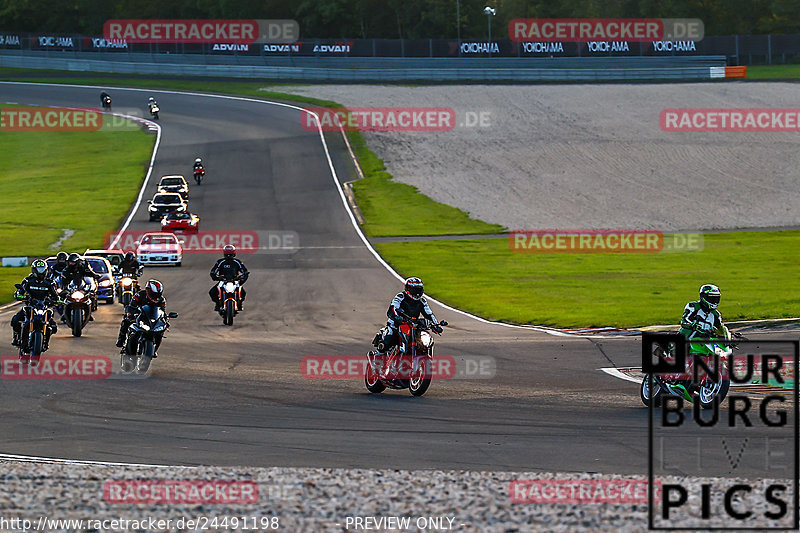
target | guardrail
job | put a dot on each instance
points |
(474, 69)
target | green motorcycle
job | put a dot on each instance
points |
(706, 389)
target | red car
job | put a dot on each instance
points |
(178, 222)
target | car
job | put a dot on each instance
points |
(180, 222)
(114, 257)
(174, 183)
(166, 202)
(101, 265)
(159, 249)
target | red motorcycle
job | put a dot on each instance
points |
(198, 174)
(408, 365)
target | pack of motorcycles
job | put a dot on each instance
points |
(406, 365)
(77, 301)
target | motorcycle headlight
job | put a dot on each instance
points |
(126, 281)
(160, 327)
(144, 326)
(153, 208)
(78, 295)
(426, 339)
(105, 283)
(230, 287)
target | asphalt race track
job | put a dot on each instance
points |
(236, 396)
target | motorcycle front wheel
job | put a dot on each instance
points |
(420, 377)
(710, 392)
(77, 322)
(36, 342)
(147, 355)
(371, 380)
(227, 318)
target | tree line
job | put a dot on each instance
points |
(393, 19)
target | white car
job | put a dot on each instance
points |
(159, 249)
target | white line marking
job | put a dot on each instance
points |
(135, 208)
(35, 459)
(617, 374)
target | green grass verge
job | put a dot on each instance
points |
(82, 181)
(379, 197)
(8, 277)
(756, 271)
(779, 72)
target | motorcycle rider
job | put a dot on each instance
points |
(152, 294)
(198, 169)
(228, 269)
(36, 286)
(409, 303)
(77, 268)
(700, 318)
(103, 96)
(57, 270)
(130, 265)
(151, 103)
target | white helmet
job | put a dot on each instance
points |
(198, 160)
(152, 99)
(710, 295)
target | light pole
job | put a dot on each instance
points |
(490, 12)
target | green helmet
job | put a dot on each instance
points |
(709, 295)
(39, 268)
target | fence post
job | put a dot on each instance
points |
(769, 48)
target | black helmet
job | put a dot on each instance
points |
(155, 289)
(73, 258)
(39, 268)
(61, 257)
(414, 288)
(709, 295)
(229, 250)
(129, 256)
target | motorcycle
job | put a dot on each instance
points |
(79, 302)
(198, 174)
(408, 365)
(127, 285)
(36, 329)
(230, 298)
(107, 103)
(154, 111)
(706, 390)
(144, 334)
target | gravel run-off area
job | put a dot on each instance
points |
(307, 499)
(590, 156)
